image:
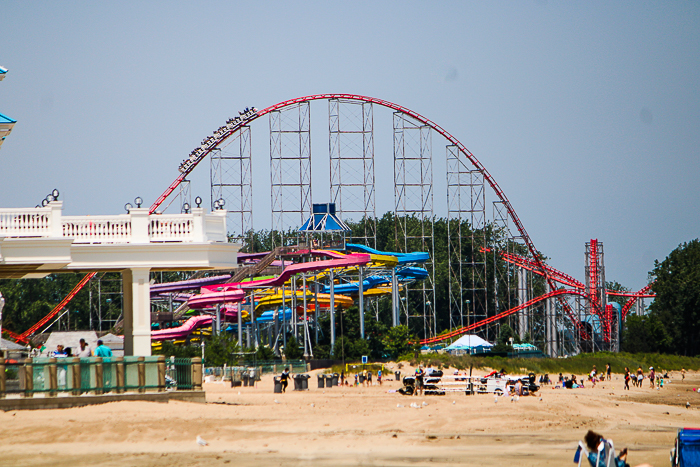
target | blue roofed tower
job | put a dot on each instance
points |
(6, 123)
(324, 229)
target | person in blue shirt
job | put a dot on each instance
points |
(59, 352)
(102, 350)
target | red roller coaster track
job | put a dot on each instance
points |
(494, 318)
(225, 132)
(221, 137)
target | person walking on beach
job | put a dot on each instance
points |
(592, 375)
(683, 374)
(284, 379)
(608, 370)
(652, 377)
(419, 380)
(627, 378)
(640, 376)
(379, 377)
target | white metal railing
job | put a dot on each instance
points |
(136, 227)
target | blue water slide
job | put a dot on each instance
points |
(353, 287)
(404, 258)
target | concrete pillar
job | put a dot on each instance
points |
(120, 375)
(76, 381)
(53, 377)
(137, 312)
(161, 373)
(2, 378)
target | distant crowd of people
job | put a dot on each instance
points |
(656, 380)
(100, 351)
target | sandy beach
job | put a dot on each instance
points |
(354, 426)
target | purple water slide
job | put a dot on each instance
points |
(168, 287)
(339, 261)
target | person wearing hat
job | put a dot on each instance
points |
(652, 376)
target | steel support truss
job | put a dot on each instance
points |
(351, 147)
(597, 303)
(290, 167)
(231, 175)
(413, 211)
(466, 203)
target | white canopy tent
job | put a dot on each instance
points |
(468, 342)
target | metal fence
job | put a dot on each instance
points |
(98, 375)
(252, 371)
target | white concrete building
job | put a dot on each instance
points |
(35, 242)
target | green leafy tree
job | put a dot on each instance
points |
(677, 302)
(398, 341)
(645, 334)
(292, 350)
(220, 349)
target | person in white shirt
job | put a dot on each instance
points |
(84, 349)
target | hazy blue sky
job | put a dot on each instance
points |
(586, 113)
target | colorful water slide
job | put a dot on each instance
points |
(191, 284)
(324, 300)
(212, 298)
(339, 261)
(403, 258)
(183, 331)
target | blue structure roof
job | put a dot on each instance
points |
(6, 119)
(323, 219)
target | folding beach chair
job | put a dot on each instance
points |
(605, 456)
(686, 452)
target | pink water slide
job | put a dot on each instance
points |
(232, 294)
(339, 261)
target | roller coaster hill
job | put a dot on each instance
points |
(469, 272)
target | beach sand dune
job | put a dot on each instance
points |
(353, 426)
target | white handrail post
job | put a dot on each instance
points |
(139, 225)
(198, 229)
(55, 222)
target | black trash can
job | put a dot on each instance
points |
(321, 379)
(362, 379)
(298, 382)
(329, 381)
(305, 382)
(278, 385)
(246, 379)
(397, 375)
(335, 379)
